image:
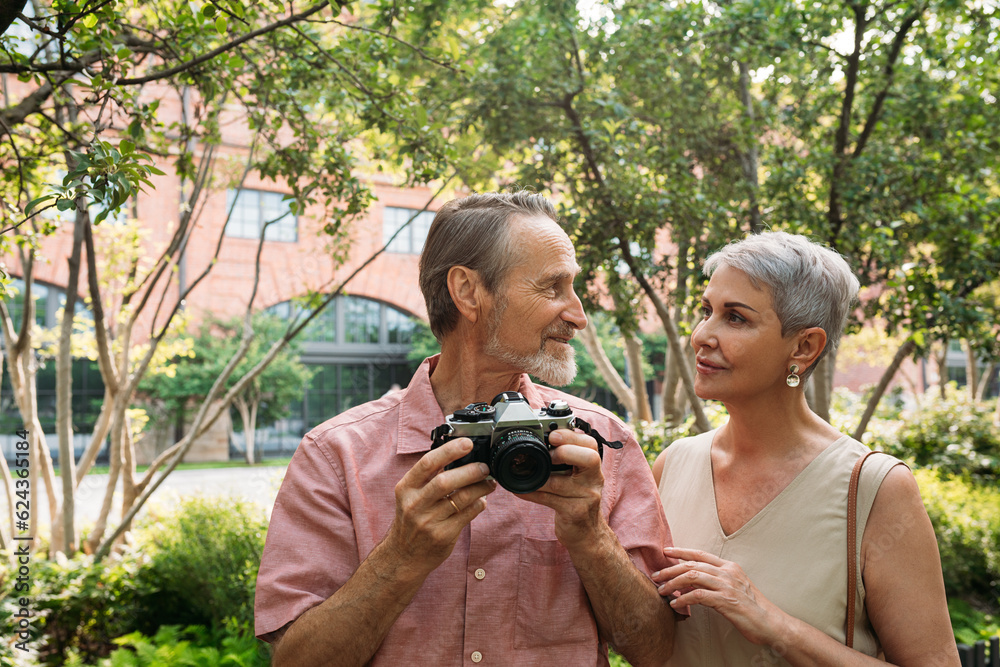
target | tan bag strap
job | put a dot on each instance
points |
(852, 541)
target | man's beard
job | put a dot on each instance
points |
(554, 365)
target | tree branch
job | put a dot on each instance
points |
(876, 110)
(163, 74)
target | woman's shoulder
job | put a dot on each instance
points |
(692, 442)
(682, 451)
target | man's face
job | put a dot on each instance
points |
(537, 311)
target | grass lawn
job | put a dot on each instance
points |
(208, 465)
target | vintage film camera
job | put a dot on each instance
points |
(512, 439)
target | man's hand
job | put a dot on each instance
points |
(576, 495)
(433, 505)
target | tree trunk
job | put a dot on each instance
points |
(248, 416)
(129, 490)
(749, 157)
(97, 438)
(671, 409)
(905, 350)
(42, 464)
(252, 439)
(984, 381)
(673, 394)
(115, 462)
(633, 350)
(971, 370)
(592, 342)
(673, 337)
(64, 389)
(942, 366)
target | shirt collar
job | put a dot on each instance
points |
(419, 412)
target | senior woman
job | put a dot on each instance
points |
(759, 507)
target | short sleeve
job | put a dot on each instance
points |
(636, 515)
(311, 550)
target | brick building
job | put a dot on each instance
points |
(358, 344)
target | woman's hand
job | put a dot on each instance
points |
(705, 579)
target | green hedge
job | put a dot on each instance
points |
(203, 563)
(194, 567)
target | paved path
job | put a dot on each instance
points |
(258, 484)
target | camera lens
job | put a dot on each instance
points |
(520, 461)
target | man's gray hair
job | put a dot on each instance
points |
(473, 232)
(810, 285)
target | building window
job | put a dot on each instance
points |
(49, 302)
(361, 320)
(255, 208)
(399, 326)
(410, 240)
(353, 320)
(358, 349)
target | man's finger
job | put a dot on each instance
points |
(576, 455)
(565, 436)
(434, 461)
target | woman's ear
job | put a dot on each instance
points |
(810, 344)
(465, 289)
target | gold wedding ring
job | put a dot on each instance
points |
(448, 498)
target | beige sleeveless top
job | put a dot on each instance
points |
(794, 550)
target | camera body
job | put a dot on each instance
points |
(509, 437)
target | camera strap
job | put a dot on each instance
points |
(438, 435)
(595, 434)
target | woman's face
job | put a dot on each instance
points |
(740, 349)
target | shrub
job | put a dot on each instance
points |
(233, 646)
(966, 520)
(81, 605)
(655, 436)
(971, 625)
(955, 435)
(203, 561)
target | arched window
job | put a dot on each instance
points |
(357, 349)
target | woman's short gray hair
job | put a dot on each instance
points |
(473, 232)
(810, 285)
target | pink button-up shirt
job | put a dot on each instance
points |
(507, 595)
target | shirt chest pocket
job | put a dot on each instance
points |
(552, 605)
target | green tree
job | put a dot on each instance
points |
(670, 129)
(265, 398)
(83, 120)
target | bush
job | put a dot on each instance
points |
(203, 563)
(234, 646)
(955, 435)
(966, 520)
(82, 605)
(656, 436)
(971, 625)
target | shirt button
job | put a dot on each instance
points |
(477, 657)
(480, 574)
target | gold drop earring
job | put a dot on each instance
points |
(793, 379)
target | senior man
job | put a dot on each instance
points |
(378, 553)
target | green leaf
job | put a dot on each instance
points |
(90, 20)
(221, 24)
(35, 202)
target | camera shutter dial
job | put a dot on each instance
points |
(476, 412)
(558, 408)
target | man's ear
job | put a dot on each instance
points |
(466, 292)
(810, 343)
